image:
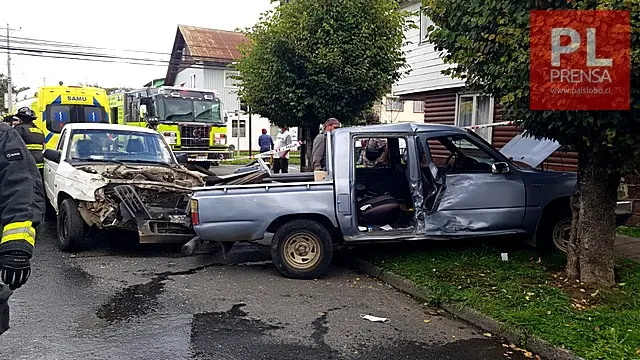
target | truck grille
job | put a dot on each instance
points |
(195, 136)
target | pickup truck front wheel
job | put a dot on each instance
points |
(302, 249)
(71, 227)
(554, 231)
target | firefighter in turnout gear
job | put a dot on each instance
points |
(31, 135)
(22, 209)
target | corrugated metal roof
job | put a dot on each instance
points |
(211, 44)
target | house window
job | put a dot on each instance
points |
(393, 104)
(229, 81)
(475, 109)
(425, 22)
(418, 106)
(238, 131)
(192, 80)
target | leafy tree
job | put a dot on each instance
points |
(109, 90)
(487, 42)
(309, 60)
(4, 83)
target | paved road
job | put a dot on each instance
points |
(119, 301)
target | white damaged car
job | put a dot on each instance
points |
(118, 177)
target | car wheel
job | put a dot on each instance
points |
(71, 228)
(554, 231)
(560, 234)
(302, 249)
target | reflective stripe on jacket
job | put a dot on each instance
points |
(33, 137)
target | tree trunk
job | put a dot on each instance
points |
(311, 133)
(302, 136)
(573, 265)
(590, 253)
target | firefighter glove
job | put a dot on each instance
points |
(15, 268)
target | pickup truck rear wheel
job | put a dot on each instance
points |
(71, 227)
(302, 249)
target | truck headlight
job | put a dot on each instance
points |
(170, 137)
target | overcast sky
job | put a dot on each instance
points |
(116, 24)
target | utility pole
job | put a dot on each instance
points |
(9, 86)
(250, 133)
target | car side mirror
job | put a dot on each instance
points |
(52, 155)
(182, 159)
(500, 168)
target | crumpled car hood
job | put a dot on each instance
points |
(94, 176)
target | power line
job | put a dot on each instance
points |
(82, 46)
(60, 44)
(96, 57)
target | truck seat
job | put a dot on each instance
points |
(135, 146)
(380, 210)
(83, 149)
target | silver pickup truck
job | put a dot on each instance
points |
(435, 182)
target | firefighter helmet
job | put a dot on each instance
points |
(26, 114)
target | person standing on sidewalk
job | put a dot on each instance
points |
(265, 141)
(281, 158)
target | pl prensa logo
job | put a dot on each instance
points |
(580, 60)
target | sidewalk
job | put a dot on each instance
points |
(627, 247)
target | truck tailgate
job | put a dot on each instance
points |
(244, 212)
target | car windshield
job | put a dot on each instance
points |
(191, 110)
(118, 146)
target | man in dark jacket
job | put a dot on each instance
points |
(265, 141)
(21, 211)
(318, 152)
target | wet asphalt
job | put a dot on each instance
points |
(119, 300)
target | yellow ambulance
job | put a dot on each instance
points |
(58, 105)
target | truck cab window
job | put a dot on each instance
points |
(457, 153)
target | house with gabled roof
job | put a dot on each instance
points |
(446, 100)
(200, 58)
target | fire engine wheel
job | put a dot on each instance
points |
(70, 226)
(302, 249)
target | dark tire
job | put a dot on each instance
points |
(302, 249)
(205, 165)
(49, 211)
(71, 228)
(554, 231)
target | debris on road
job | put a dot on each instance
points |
(375, 318)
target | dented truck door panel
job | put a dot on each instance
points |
(480, 195)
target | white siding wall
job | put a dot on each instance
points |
(425, 63)
(409, 113)
(257, 124)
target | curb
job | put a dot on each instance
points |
(484, 322)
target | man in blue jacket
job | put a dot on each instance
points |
(265, 141)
